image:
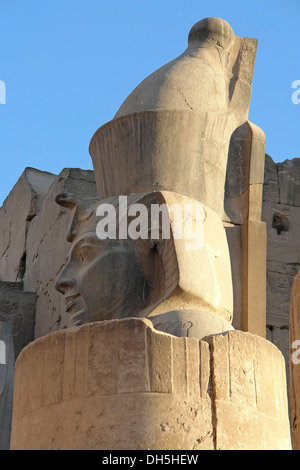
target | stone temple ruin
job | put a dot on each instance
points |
(132, 343)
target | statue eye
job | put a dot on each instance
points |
(85, 251)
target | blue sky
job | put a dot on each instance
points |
(69, 64)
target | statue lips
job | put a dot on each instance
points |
(70, 301)
(75, 308)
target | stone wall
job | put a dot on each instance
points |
(281, 213)
(33, 248)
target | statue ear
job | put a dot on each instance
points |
(70, 201)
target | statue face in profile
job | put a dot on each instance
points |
(106, 279)
(102, 280)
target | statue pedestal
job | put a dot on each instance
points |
(121, 385)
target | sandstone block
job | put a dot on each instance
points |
(254, 277)
(271, 186)
(288, 180)
(87, 388)
(250, 398)
(20, 207)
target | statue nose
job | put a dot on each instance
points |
(64, 282)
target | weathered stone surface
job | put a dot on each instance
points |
(280, 338)
(244, 175)
(283, 235)
(250, 398)
(159, 156)
(245, 232)
(47, 248)
(281, 213)
(18, 307)
(20, 207)
(289, 181)
(123, 385)
(204, 77)
(7, 363)
(294, 356)
(190, 323)
(234, 239)
(271, 187)
(254, 241)
(280, 278)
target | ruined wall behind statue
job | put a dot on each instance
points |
(281, 213)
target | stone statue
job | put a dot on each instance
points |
(172, 244)
(144, 154)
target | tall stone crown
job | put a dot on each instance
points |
(206, 91)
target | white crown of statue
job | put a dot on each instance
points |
(173, 131)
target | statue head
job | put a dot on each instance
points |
(123, 265)
(108, 276)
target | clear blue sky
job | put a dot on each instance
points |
(69, 64)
